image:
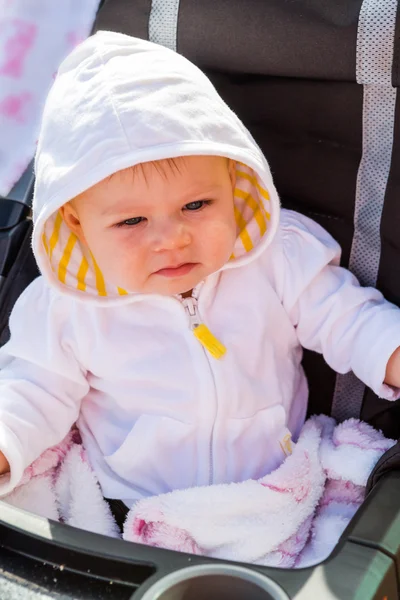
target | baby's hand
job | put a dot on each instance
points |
(4, 466)
(392, 376)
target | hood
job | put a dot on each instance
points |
(118, 101)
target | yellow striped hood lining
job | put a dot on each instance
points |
(76, 267)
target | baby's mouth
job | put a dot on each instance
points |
(176, 270)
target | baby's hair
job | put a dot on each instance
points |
(164, 167)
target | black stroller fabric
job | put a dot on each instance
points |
(388, 463)
(23, 271)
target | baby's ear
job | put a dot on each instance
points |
(232, 172)
(71, 218)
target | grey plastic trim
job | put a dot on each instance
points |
(375, 45)
(163, 23)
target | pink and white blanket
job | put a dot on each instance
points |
(292, 517)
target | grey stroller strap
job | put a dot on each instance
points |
(375, 44)
(163, 22)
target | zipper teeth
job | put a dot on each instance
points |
(211, 456)
(191, 308)
(195, 297)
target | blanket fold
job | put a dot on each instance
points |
(292, 517)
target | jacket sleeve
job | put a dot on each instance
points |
(354, 328)
(41, 382)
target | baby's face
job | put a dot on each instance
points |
(159, 228)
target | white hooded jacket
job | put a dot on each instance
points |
(156, 409)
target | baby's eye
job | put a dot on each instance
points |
(197, 205)
(131, 222)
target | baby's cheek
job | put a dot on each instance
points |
(220, 240)
(128, 270)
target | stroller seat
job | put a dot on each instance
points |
(316, 84)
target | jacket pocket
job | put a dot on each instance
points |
(158, 454)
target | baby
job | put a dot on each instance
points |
(175, 295)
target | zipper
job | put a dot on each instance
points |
(192, 311)
(211, 345)
(201, 331)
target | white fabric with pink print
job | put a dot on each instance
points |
(35, 36)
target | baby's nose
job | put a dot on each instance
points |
(171, 236)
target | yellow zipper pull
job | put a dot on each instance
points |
(209, 341)
(201, 331)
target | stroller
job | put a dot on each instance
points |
(315, 82)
